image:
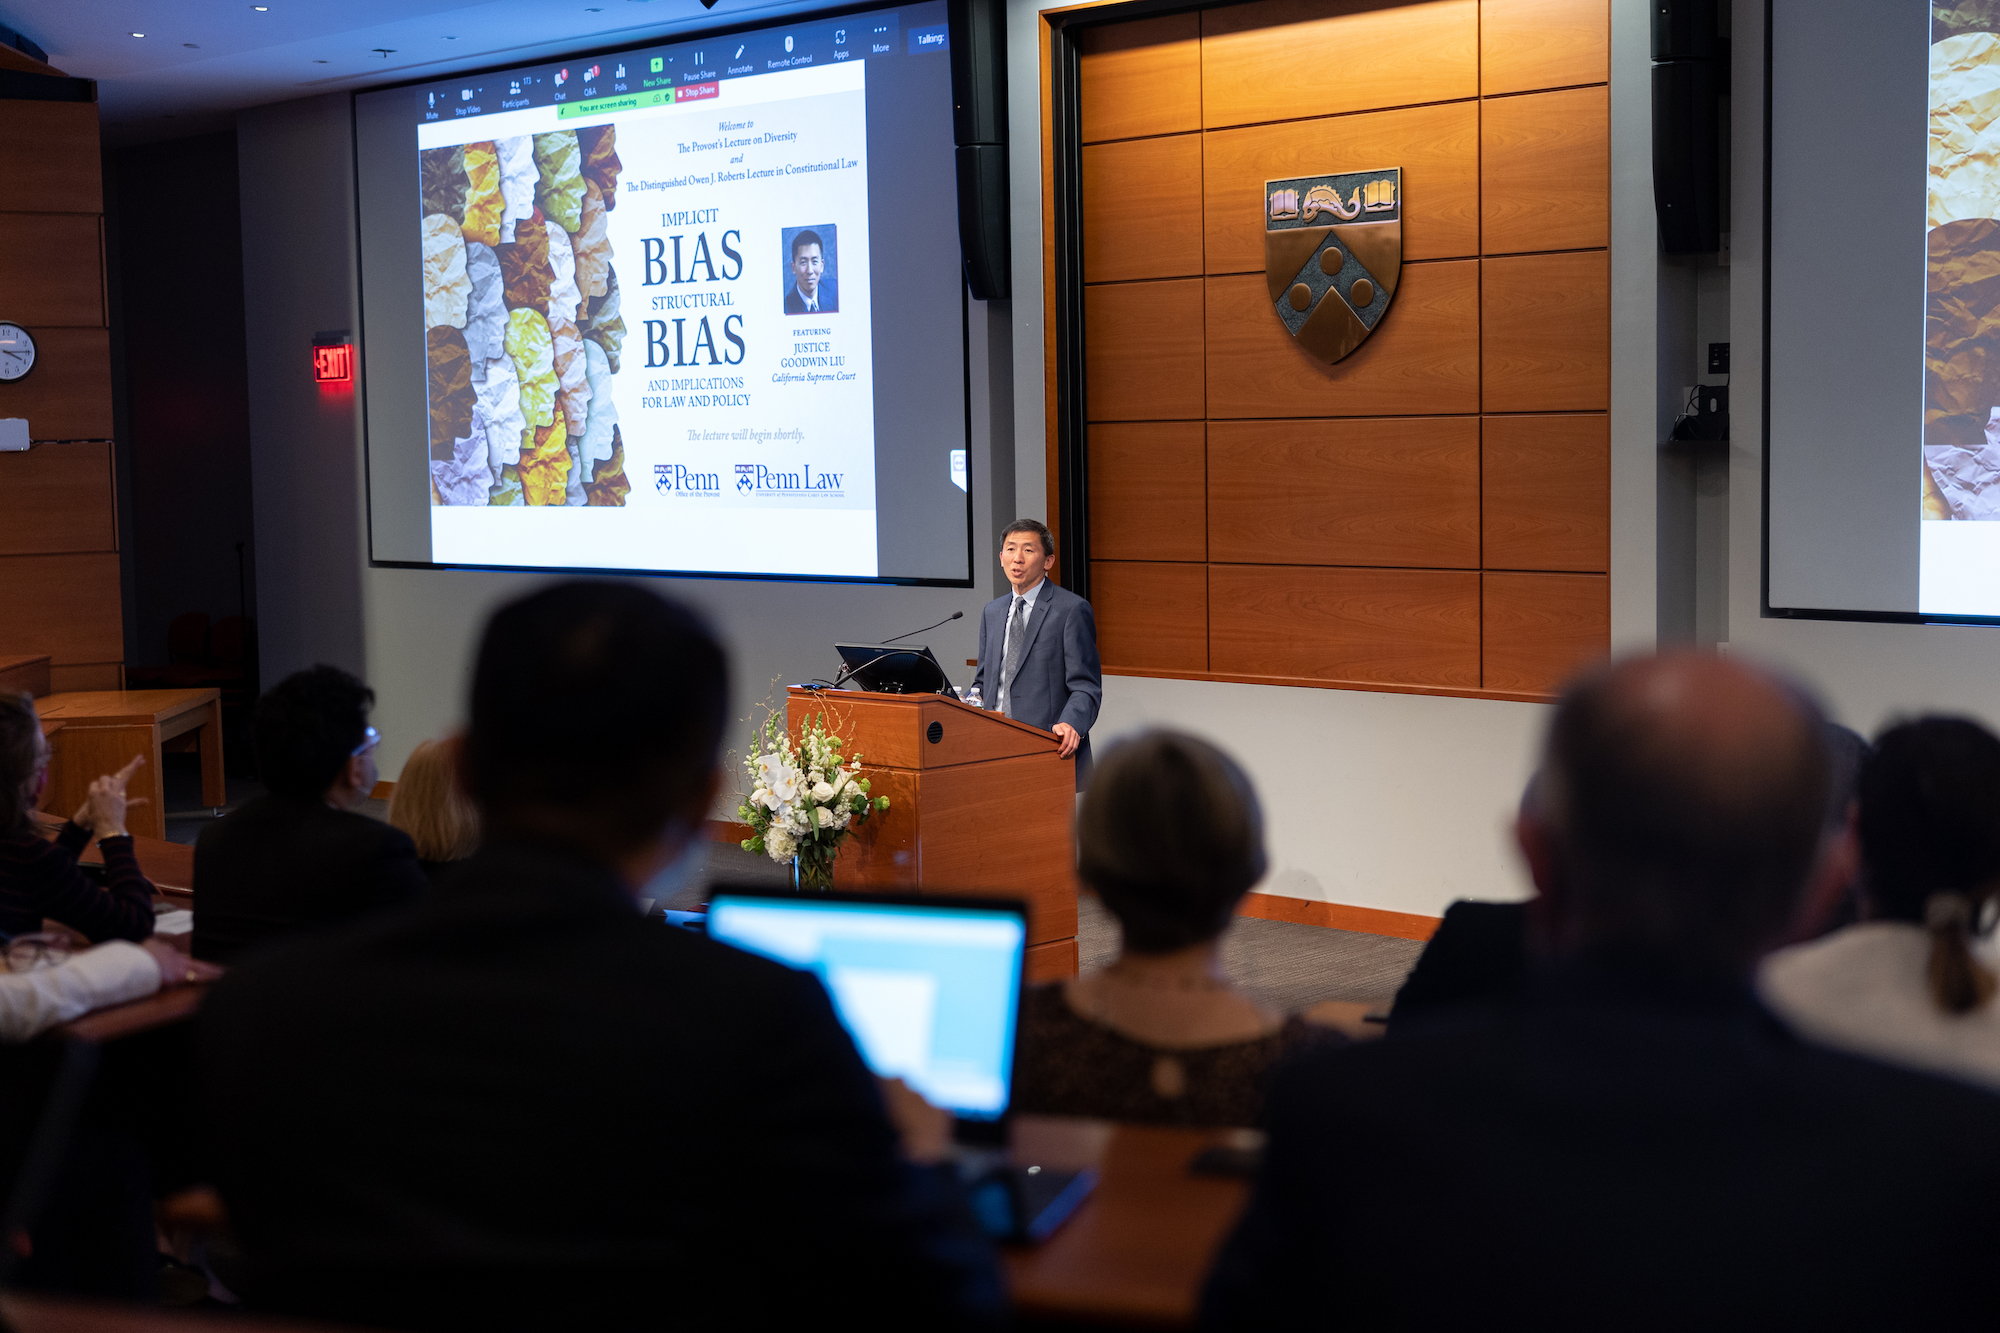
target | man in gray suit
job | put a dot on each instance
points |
(1038, 647)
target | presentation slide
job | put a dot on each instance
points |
(1960, 507)
(667, 298)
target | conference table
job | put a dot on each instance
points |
(1133, 1254)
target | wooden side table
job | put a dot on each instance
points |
(103, 729)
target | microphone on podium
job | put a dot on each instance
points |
(956, 615)
(863, 666)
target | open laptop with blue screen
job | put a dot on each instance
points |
(930, 989)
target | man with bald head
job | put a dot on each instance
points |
(1633, 1141)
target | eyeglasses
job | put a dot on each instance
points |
(369, 740)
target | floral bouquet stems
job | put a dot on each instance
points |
(804, 797)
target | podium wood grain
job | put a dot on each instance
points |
(984, 809)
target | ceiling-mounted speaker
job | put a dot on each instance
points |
(978, 30)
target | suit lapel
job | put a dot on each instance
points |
(1045, 605)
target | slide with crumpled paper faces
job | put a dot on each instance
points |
(692, 308)
(1883, 361)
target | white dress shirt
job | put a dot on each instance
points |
(33, 1002)
(1007, 639)
(812, 302)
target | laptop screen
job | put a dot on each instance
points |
(929, 993)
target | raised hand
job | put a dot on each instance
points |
(104, 809)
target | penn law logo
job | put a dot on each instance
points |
(1333, 249)
(800, 482)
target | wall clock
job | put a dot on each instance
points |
(17, 352)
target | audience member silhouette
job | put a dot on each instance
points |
(429, 805)
(1634, 1141)
(300, 857)
(1170, 836)
(1479, 951)
(39, 878)
(520, 1104)
(1913, 981)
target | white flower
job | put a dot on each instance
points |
(824, 816)
(795, 819)
(843, 819)
(841, 777)
(761, 798)
(780, 779)
(780, 844)
(822, 792)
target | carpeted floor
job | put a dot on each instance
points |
(1284, 965)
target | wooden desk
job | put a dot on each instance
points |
(163, 1008)
(33, 1312)
(1139, 1248)
(27, 672)
(103, 729)
(170, 865)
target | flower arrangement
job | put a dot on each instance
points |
(804, 798)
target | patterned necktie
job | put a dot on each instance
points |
(1017, 640)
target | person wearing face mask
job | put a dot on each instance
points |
(527, 1103)
(301, 857)
(39, 878)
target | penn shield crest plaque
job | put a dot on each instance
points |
(1333, 249)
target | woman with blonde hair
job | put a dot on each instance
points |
(428, 805)
(1170, 837)
(1913, 982)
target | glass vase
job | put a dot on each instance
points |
(811, 876)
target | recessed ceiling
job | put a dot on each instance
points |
(201, 61)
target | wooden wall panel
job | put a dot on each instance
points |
(1150, 615)
(1423, 360)
(1402, 491)
(1142, 209)
(63, 605)
(1146, 498)
(1283, 59)
(95, 676)
(1530, 44)
(1142, 350)
(51, 268)
(52, 145)
(1546, 492)
(1142, 77)
(1391, 626)
(1436, 146)
(1539, 629)
(1545, 339)
(58, 498)
(67, 396)
(1545, 171)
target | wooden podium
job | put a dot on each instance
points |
(978, 804)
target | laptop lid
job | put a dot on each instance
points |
(929, 988)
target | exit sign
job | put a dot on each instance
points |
(333, 364)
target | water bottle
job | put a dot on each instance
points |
(972, 696)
